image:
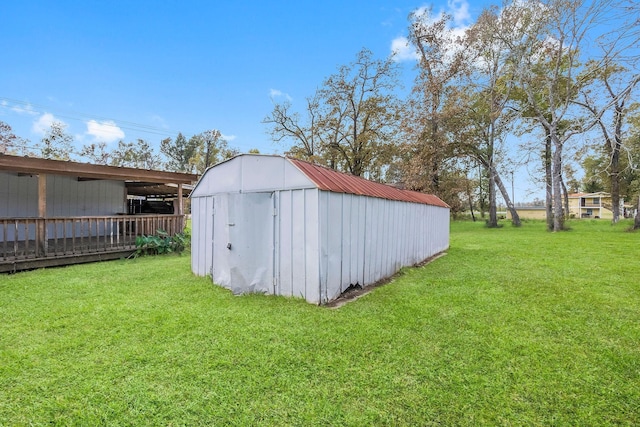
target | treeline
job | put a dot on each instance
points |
(192, 155)
(552, 81)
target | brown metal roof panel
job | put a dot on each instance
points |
(339, 182)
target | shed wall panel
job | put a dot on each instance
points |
(334, 231)
(285, 247)
(296, 263)
(312, 246)
(298, 246)
(202, 240)
(381, 238)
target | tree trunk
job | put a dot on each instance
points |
(480, 195)
(565, 197)
(615, 195)
(493, 214)
(558, 216)
(515, 218)
(548, 181)
(470, 198)
(615, 160)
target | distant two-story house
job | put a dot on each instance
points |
(592, 205)
(581, 205)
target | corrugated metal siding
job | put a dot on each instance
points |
(297, 249)
(66, 197)
(202, 236)
(366, 239)
(18, 196)
(321, 241)
(338, 182)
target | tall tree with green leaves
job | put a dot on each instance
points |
(179, 153)
(56, 143)
(209, 148)
(549, 42)
(606, 97)
(96, 152)
(9, 142)
(137, 154)
(488, 86)
(427, 150)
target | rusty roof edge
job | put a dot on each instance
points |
(379, 190)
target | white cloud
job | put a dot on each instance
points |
(159, 121)
(275, 93)
(402, 50)
(228, 138)
(107, 131)
(43, 123)
(459, 10)
(26, 109)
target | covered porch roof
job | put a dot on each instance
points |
(142, 182)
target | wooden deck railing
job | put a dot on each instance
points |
(36, 238)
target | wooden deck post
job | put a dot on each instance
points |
(180, 210)
(41, 227)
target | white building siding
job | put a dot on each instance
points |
(66, 197)
(18, 195)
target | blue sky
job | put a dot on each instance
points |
(183, 66)
(140, 69)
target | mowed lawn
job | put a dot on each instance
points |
(511, 327)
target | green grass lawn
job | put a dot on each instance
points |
(512, 327)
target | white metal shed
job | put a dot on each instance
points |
(282, 226)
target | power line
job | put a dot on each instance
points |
(30, 107)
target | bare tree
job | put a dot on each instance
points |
(350, 122)
(308, 136)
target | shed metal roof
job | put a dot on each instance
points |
(339, 182)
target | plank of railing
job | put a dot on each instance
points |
(4, 238)
(25, 227)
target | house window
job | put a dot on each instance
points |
(596, 200)
(589, 212)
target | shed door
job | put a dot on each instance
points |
(243, 242)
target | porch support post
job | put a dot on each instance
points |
(180, 209)
(41, 227)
